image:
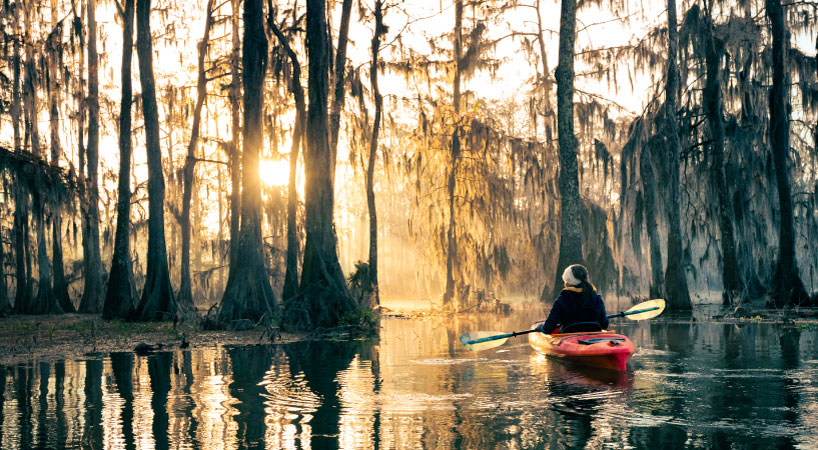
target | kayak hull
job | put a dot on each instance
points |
(604, 349)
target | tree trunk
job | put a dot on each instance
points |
(91, 302)
(21, 248)
(5, 306)
(185, 298)
(324, 298)
(731, 273)
(119, 297)
(451, 233)
(675, 280)
(657, 279)
(22, 253)
(339, 93)
(290, 289)
(60, 286)
(787, 289)
(380, 29)
(235, 155)
(248, 294)
(570, 249)
(157, 302)
(45, 302)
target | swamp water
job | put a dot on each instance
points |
(691, 384)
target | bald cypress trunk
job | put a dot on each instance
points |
(235, 129)
(290, 289)
(91, 301)
(45, 302)
(185, 298)
(120, 293)
(339, 72)
(248, 294)
(380, 29)
(570, 249)
(21, 242)
(677, 293)
(787, 289)
(157, 302)
(324, 298)
(60, 286)
(451, 186)
(5, 305)
(712, 96)
(657, 279)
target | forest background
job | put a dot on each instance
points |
(669, 147)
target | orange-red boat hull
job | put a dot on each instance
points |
(605, 349)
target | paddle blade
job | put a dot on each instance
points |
(474, 335)
(655, 306)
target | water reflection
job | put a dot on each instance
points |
(691, 384)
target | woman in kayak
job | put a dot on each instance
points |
(578, 302)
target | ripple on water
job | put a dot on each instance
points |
(448, 362)
(642, 351)
(415, 402)
(291, 394)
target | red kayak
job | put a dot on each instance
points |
(603, 349)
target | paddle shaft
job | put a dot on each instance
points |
(500, 336)
(638, 311)
(519, 333)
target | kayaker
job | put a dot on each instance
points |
(578, 302)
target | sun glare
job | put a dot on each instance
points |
(274, 172)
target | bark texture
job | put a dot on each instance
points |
(185, 297)
(380, 29)
(570, 249)
(120, 293)
(248, 294)
(290, 289)
(451, 185)
(324, 298)
(677, 293)
(60, 285)
(235, 129)
(91, 301)
(657, 278)
(157, 301)
(731, 273)
(339, 93)
(787, 287)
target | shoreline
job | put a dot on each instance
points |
(26, 338)
(74, 336)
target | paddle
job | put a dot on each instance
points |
(483, 340)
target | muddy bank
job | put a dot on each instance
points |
(73, 336)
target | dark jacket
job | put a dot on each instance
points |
(572, 307)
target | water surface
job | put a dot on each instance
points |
(691, 384)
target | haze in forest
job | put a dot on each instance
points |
(463, 139)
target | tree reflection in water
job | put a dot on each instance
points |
(691, 384)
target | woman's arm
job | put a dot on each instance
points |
(554, 318)
(603, 318)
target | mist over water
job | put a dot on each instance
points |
(691, 384)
